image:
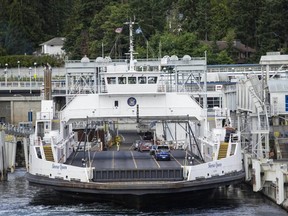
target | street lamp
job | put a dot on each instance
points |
(30, 70)
(5, 73)
(18, 62)
(35, 72)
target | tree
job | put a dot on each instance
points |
(272, 27)
(220, 17)
(78, 35)
(103, 28)
(203, 20)
(26, 24)
(224, 58)
(245, 17)
(261, 24)
(185, 43)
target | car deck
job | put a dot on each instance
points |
(132, 164)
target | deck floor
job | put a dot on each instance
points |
(126, 158)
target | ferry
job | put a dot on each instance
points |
(92, 145)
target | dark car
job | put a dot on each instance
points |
(162, 152)
(148, 135)
(144, 146)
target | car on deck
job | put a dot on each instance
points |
(144, 145)
(162, 152)
(153, 149)
(148, 135)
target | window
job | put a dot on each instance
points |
(142, 80)
(111, 80)
(116, 103)
(152, 80)
(132, 80)
(38, 152)
(121, 80)
(213, 102)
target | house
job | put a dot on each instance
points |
(240, 52)
(53, 46)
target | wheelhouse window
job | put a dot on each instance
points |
(152, 80)
(121, 80)
(142, 80)
(213, 102)
(131, 80)
(111, 80)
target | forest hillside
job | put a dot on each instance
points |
(164, 27)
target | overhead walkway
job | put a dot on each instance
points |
(13, 130)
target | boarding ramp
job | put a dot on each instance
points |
(163, 174)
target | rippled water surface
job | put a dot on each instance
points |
(18, 197)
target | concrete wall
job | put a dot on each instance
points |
(21, 109)
(5, 111)
(15, 109)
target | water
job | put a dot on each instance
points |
(18, 197)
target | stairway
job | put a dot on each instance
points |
(223, 150)
(283, 147)
(48, 153)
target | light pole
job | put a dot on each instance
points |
(35, 72)
(5, 73)
(18, 62)
(30, 70)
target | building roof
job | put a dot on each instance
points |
(57, 41)
(274, 58)
(236, 45)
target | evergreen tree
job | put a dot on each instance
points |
(89, 26)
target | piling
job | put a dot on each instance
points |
(10, 147)
(3, 158)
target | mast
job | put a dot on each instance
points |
(131, 47)
(205, 97)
